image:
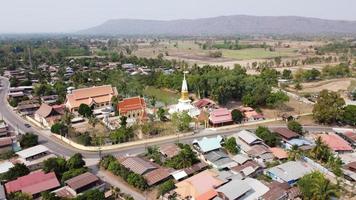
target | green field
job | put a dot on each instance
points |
(162, 95)
(256, 53)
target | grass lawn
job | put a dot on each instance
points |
(165, 96)
(256, 53)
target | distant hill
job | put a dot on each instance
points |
(224, 25)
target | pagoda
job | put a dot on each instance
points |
(184, 103)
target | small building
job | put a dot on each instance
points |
(248, 137)
(137, 164)
(28, 109)
(247, 189)
(261, 153)
(206, 145)
(169, 150)
(157, 176)
(199, 186)
(95, 97)
(220, 117)
(205, 104)
(5, 166)
(33, 183)
(48, 115)
(349, 171)
(33, 157)
(249, 168)
(285, 133)
(4, 129)
(50, 100)
(336, 143)
(219, 160)
(279, 153)
(134, 107)
(277, 191)
(289, 172)
(6, 144)
(83, 182)
(250, 114)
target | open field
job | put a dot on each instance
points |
(292, 107)
(335, 85)
(165, 96)
(258, 53)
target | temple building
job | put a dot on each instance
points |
(184, 103)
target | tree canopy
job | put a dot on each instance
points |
(271, 139)
(28, 140)
(85, 110)
(329, 107)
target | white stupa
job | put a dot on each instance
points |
(184, 103)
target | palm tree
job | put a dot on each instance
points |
(324, 190)
(294, 153)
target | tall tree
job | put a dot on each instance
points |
(28, 140)
(328, 108)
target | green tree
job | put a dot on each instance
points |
(328, 108)
(85, 111)
(84, 139)
(185, 158)
(165, 187)
(16, 171)
(231, 146)
(57, 165)
(349, 115)
(123, 121)
(28, 140)
(237, 116)
(122, 135)
(19, 196)
(161, 114)
(59, 128)
(271, 139)
(76, 161)
(321, 151)
(287, 74)
(91, 194)
(315, 186)
(152, 152)
(295, 126)
(181, 121)
(277, 98)
(49, 196)
(137, 181)
(294, 153)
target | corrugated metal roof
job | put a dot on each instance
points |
(32, 151)
(82, 180)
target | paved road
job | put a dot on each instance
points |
(64, 149)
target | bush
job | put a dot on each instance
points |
(271, 139)
(231, 146)
(28, 140)
(295, 126)
(84, 139)
(76, 161)
(16, 171)
(59, 128)
(165, 187)
(237, 116)
(85, 110)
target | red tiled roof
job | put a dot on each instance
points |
(33, 183)
(131, 104)
(351, 135)
(207, 195)
(220, 115)
(285, 133)
(82, 180)
(279, 152)
(335, 142)
(203, 102)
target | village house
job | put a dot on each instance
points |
(349, 171)
(199, 186)
(285, 133)
(220, 117)
(250, 114)
(6, 144)
(132, 108)
(84, 182)
(289, 172)
(246, 189)
(95, 97)
(48, 115)
(33, 183)
(4, 129)
(206, 145)
(50, 99)
(336, 143)
(152, 172)
(33, 157)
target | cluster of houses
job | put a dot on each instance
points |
(38, 181)
(220, 175)
(133, 69)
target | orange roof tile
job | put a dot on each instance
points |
(279, 152)
(335, 142)
(131, 104)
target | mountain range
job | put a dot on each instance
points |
(224, 26)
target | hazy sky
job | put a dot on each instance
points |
(19, 16)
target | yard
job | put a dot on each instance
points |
(165, 96)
